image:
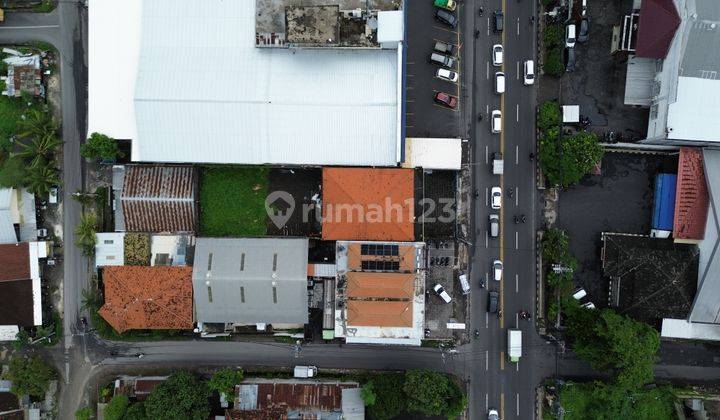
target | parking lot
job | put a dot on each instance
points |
(441, 270)
(619, 200)
(424, 117)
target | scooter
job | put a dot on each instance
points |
(481, 11)
(477, 334)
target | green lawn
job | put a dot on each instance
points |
(10, 111)
(232, 201)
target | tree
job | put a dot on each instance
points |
(553, 36)
(117, 407)
(37, 124)
(85, 233)
(30, 375)
(598, 400)
(224, 380)
(136, 411)
(390, 397)
(553, 62)
(566, 160)
(13, 172)
(41, 178)
(100, 146)
(432, 393)
(182, 396)
(368, 395)
(83, 414)
(548, 115)
(39, 150)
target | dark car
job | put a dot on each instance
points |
(493, 299)
(498, 20)
(446, 99)
(443, 16)
(583, 33)
(569, 59)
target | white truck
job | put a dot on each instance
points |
(305, 371)
(497, 163)
(514, 345)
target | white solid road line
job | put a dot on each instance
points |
(517, 366)
(488, 26)
(517, 321)
(486, 242)
(487, 407)
(487, 357)
(487, 109)
(516, 240)
(487, 321)
(517, 195)
(517, 71)
(517, 113)
(487, 70)
(516, 283)
(486, 196)
(486, 155)
(517, 398)
(518, 26)
(517, 154)
(30, 27)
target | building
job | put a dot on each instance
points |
(328, 94)
(148, 298)
(137, 388)
(250, 282)
(368, 204)
(120, 248)
(23, 75)
(20, 287)
(296, 399)
(155, 198)
(17, 216)
(380, 292)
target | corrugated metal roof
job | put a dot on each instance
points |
(15, 261)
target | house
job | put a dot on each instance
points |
(120, 248)
(23, 75)
(250, 282)
(20, 288)
(276, 102)
(17, 216)
(380, 292)
(155, 198)
(296, 399)
(147, 298)
(368, 204)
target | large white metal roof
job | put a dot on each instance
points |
(202, 92)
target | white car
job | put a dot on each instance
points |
(570, 36)
(497, 270)
(529, 74)
(496, 121)
(496, 198)
(499, 82)
(53, 195)
(446, 75)
(440, 291)
(497, 55)
(493, 414)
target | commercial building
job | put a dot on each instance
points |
(250, 282)
(20, 286)
(17, 216)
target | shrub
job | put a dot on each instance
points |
(548, 115)
(100, 146)
(553, 36)
(30, 375)
(554, 63)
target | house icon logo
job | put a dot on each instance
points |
(279, 206)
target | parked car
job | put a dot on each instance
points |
(583, 34)
(570, 36)
(496, 121)
(494, 225)
(569, 54)
(445, 48)
(305, 371)
(497, 55)
(53, 195)
(446, 17)
(446, 75)
(498, 19)
(584, 8)
(446, 4)
(588, 305)
(446, 99)
(579, 294)
(497, 270)
(440, 291)
(493, 300)
(496, 198)
(529, 73)
(499, 82)
(442, 60)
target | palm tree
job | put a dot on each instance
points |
(42, 178)
(37, 124)
(85, 233)
(39, 150)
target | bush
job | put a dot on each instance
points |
(30, 375)
(390, 397)
(433, 393)
(548, 115)
(553, 36)
(13, 172)
(83, 414)
(100, 146)
(117, 407)
(182, 396)
(224, 380)
(553, 65)
(137, 249)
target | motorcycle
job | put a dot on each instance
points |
(477, 334)
(480, 11)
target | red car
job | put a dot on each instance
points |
(445, 99)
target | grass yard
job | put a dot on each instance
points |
(232, 201)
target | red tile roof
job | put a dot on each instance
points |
(691, 201)
(15, 261)
(658, 22)
(368, 204)
(138, 297)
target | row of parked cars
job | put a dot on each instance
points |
(444, 54)
(575, 33)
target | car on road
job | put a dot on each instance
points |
(493, 300)
(583, 34)
(569, 58)
(495, 198)
(570, 36)
(496, 121)
(442, 60)
(440, 291)
(529, 73)
(446, 4)
(494, 225)
(499, 82)
(498, 19)
(447, 75)
(497, 55)
(445, 48)
(493, 414)
(445, 17)
(497, 270)
(446, 99)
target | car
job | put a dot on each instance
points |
(583, 33)
(569, 54)
(570, 36)
(446, 4)
(529, 73)
(495, 198)
(584, 8)
(497, 270)
(446, 99)
(498, 20)
(493, 300)
(494, 225)
(497, 55)
(53, 195)
(442, 60)
(440, 291)
(493, 414)
(445, 48)
(588, 305)
(496, 121)
(499, 82)
(579, 293)
(446, 75)
(445, 17)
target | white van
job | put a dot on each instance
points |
(570, 36)
(305, 371)
(579, 294)
(464, 285)
(499, 82)
(529, 78)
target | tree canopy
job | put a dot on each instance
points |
(30, 375)
(117, 407)
(100, 146)
(182, 396)
(601, 401)
(224, 380)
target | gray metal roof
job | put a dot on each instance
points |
(251, 280)
(700, 58)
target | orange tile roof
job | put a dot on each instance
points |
(380, 314)
(140, 297)
(380, 285)
(368, 204)
(691, 201)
